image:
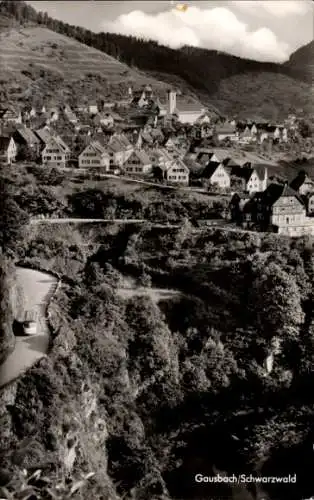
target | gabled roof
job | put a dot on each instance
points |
(275, 191)
(162, 154)
(175, 163)
(210, 169)
(119, 141)
(44, 135)
(146, 136)
(60, 143)
(96, 147)
(242, 172)
(246, 172)
(300, 179)
(27, 134)
(142, 156)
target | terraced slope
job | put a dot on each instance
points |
(36, 61)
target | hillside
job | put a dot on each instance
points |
(37, 62)
(301, 62)
(233, 84)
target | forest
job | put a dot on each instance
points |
(144, 394)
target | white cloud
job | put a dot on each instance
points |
(278, 8)
(217, 28)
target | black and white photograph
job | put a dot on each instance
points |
(157, 250)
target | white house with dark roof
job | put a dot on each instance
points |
(138, 163)
(253, 179)
(94, 155)
(8, 150)
(56, 153)
(119, 149)
(217, 174)
(173, 170)
(177, 173)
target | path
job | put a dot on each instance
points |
(129, 289)
(38, 288)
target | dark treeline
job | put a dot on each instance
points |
(201, 68)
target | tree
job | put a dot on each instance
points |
(12, 223)
(7, 274)
(305, 129)
(275, 300)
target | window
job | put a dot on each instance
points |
(287, 220)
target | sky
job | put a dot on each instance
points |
(265, 30)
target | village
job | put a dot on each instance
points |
(173, 143)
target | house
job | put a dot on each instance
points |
(227, 131)
(277, 133)
(92, 108)
(143, 97)
(185, 112)
(103, 118)
(249, 179)
(282, 209)
(245, 137)
(8, 150)
(10, 115)
(138, 163)
(44, 135)
(302, 183)
(52, 115)
(236, 207)
(119, 149)
(70, 115)
(177, 173)
(94, 155)
(56, 153)
(217, 175)
(171, 169)
(253, 130)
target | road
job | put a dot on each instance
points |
(38, 288)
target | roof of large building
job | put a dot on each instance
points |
(27, 135)
(44, 134)
(188, 107)
(119, 142)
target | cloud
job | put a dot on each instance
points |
(217, 28)
(278, 8)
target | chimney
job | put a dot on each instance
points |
(172, 101)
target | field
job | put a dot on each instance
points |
(37, 62)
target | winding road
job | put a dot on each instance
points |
(38, 287)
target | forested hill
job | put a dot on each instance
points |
(301, 62)
(230, 83)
